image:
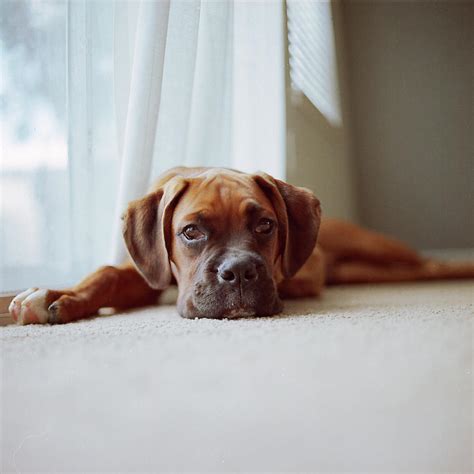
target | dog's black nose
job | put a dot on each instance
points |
(237, 270)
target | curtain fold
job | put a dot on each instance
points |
(259, 88)
(206, 89)
(177, 87)
(210, 123)
(143, 108)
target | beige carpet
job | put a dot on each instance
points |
(368, 379)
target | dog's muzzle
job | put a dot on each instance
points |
(235, 284)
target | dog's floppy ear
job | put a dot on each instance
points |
(299, 215)
(147, 229)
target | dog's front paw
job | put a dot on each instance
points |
(38, 306)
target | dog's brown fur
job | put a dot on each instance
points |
(298, 267)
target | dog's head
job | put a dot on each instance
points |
(226, 237)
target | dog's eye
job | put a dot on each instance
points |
(265, 226)
(192, 232)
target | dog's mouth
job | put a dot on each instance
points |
(216, 305)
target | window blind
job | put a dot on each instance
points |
(312, 55)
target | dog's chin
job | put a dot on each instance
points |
(236, 313)
(193, 310)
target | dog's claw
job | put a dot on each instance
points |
(53, 311)
(31, 307)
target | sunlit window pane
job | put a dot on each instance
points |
(44, 202)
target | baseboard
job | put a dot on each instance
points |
(6, 319)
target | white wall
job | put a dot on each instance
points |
(410, 76)
(319, 153)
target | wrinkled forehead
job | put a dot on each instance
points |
(230, 200)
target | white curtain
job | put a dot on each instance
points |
(206, 88)
(99, 97)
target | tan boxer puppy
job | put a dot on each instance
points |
(234, 243)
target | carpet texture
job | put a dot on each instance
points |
(366, 379)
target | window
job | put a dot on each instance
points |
(312, 55)
(57, 151)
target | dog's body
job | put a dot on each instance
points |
(233, 243)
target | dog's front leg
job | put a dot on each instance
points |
(117, 287)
